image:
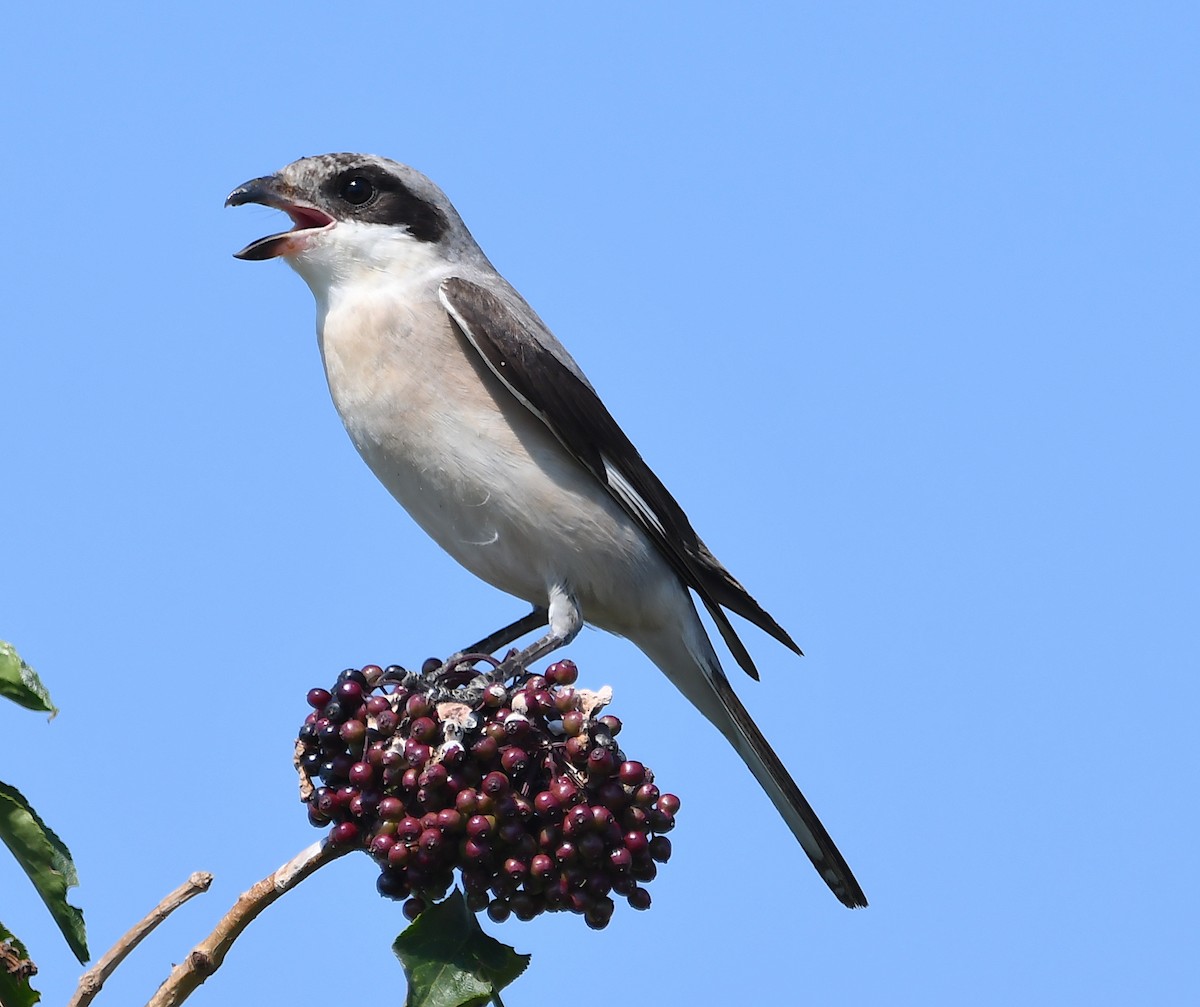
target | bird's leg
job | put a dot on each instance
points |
(565, 621)
(508, 634)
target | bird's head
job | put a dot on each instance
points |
(354, 211)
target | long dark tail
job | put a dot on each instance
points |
(700, 678)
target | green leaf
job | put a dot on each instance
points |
(20, 683)
(47, 861)
(15, 970)
(450, 961)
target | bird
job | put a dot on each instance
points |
(484, 428)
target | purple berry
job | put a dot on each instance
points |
(639, 898)
(632, 774)
(660, 849)
(344, 834)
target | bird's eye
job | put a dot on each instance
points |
(357, 190)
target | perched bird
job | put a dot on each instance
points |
(480, 424)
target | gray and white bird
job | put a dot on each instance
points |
(480, 424)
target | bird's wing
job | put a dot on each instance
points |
(515, 351)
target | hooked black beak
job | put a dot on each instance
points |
(271, 190)
(257, 190)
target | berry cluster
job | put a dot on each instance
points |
(519, 785)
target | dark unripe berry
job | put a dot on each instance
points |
(644, 871)
(598, 914)
(612, 795)
(514, 760)
(620, 859)
(623, 884)
(562, 673)
(476, 850)
(422, 729)
(486, 749)
(414, 907)
(565, 790)
(434, 776)
(365, 804)
(516, 726)
(600, 763)
(578, 820)
(344, 834)
(635, 818)
(349, 693)
(418, 705)
(324, 799)
(465, 801)
(611, 723)
(636, 842)
(450, 820)
(632, 774)
(639, 898)
(602, 818)
(548, 806)
(498, 911)
(524, 906)
(660, 849)
(480, 825)
(495, 784)
(380, 845)
(660, 821)
(392, 884)
(591, 847)
(416, 753)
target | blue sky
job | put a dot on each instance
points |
(901, 304)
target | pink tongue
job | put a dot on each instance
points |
(304, 218)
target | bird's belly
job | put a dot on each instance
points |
(486, 479)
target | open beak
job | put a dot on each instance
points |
(271, 190)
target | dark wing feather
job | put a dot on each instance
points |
(572, 410)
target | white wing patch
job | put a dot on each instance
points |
(630, 497)
(461, 322)
(618, 485)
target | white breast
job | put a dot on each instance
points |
(482, 475)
